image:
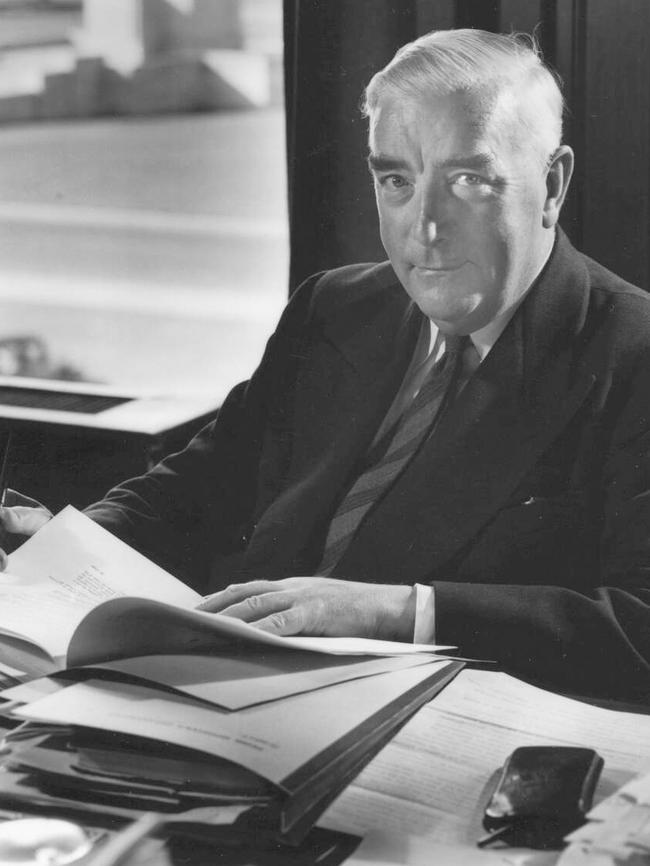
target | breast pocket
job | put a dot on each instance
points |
(540, 539)
(557, 514)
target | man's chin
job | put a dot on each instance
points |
(450, 318)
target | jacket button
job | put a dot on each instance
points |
(245, 537)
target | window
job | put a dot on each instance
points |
(145, 248)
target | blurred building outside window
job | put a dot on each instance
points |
(143, 225)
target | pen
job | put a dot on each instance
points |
(4, 467)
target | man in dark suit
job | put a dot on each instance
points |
(456, 443)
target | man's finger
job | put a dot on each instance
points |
(3, 560)
(284, 622)
(257, 607)
(217, 602)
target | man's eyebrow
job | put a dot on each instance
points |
(470, 160)
(475, 161)
(380, 162)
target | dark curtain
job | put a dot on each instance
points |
(601, 49)
(332, 48)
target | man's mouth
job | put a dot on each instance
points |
(435, 269)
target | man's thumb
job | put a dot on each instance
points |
(23, 520)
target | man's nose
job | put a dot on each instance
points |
(426, 230)
(430, 219)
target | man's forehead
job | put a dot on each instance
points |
(469, 106)
(407, 115)
(469, 127)
(452, 121)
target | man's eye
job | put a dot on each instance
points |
(467, 179)
(473, 187)
(393, 181)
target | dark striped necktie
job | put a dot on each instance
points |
(405, 439)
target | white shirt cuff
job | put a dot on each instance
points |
(425, 614)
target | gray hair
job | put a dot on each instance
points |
(476, 61)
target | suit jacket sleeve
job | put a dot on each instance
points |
(591, 639)
(199, 502)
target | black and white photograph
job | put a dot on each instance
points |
(324, 432)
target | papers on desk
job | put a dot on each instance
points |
(432, 780)
(83, 596)
(273, 740)
(617, 832)
(307, 746)
(235, 682)
(303, 715)
(229, 682)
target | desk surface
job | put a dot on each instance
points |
(432, 780)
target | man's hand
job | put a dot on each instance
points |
(319, 606)
(20, 516)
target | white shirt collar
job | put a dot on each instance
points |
(483, 339)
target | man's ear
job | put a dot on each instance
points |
(558, 176)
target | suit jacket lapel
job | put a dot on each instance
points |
(505, 418)
(342, 395)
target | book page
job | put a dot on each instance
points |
(19, 659)
(273, 740)
(69, 567)
(433, 779)
(231, 682)
(72, 566)
(126, 627)
(234, 682)
(32, 690)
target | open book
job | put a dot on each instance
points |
(77, 592)
(80, 596)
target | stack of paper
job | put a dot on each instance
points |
(618, 830)
(151, 704)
